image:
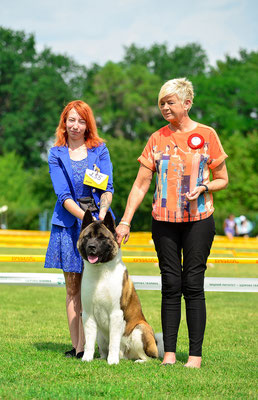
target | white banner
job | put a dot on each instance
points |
(210, 284)
(140, 282)
(231, 285)
(30, 279)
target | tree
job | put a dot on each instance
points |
(241, 195)
(34, 89)
(16, 193)
(190, 60)
(226, 98)
(125, 100)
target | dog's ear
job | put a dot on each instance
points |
(109, 222)
(87, 219)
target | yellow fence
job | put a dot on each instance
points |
(241, 250)
(41, 258)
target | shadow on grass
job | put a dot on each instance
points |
(58, 348)
(54, 347)
(61, 348)
(183, 357)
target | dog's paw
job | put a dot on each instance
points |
(113, 360)
(87, 357)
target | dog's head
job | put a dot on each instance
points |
(97, 240)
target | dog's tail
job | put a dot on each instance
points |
(160, 344)
(148, 340)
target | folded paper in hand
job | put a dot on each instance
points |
(95, 179)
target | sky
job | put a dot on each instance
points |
(97, 31)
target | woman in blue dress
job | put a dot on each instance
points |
(77, 148)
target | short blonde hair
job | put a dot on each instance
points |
(181, 87)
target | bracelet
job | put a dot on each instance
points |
(124, 223)
(206, 187)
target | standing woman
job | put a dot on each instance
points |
(77, 148)
(182, 154)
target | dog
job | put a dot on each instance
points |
(112, 313)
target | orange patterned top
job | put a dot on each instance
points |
(180, 166)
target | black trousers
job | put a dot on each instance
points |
(187, 279)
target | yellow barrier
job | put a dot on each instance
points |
(235, 238)
(16, 239)
(133, 235)
(23, 246)
(41, 258)
(21, 258)
(27, 242)
(213, 251)
(14, 232)
(18, 232)
(229, 245)
(245, 253)
(152, 250)
(127, 249)
(139, 242)
(235, 252)
(134, 248)
(210, 260)
(216, 245)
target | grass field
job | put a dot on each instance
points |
(34, 335)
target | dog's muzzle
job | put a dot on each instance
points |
(91, 254)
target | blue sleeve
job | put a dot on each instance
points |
(106, 167)
(60, 184)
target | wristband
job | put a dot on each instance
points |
(124, 223)
(206, 187)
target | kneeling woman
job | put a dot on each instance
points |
(77, 148)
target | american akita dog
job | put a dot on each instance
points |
(112, 312)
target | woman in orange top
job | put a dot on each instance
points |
(182, 211)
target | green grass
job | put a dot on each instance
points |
(34, 335)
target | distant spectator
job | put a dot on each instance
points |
(230, 226)
(243, 226)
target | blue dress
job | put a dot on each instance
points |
(62, 250)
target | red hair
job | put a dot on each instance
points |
(92, 138)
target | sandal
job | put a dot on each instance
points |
(70, 353)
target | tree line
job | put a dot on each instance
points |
(35, 86)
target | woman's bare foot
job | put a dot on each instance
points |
(169, 358)
(194, 362)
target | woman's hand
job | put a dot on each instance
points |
(219, 182)
(138, 191)
(194, 194)
(122, 232)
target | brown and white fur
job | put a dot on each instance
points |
(112, 312)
